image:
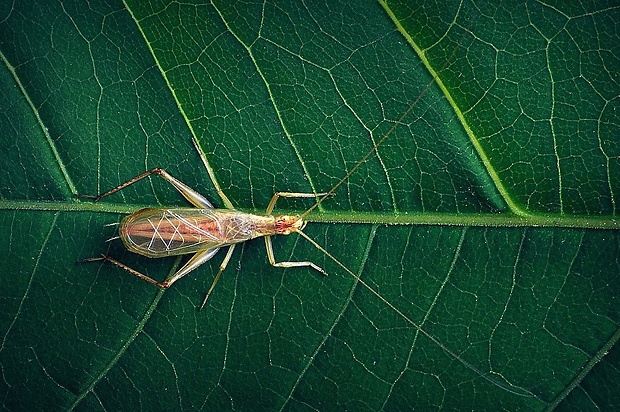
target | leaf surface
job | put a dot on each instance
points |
(484, 227)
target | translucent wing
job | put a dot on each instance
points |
(167, 232)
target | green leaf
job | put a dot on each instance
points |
(484, 229)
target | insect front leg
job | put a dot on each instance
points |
(273, 262)
(277, 195)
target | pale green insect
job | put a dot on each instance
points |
(162, 232)
(203, 230)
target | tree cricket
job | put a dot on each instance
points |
(203, 230)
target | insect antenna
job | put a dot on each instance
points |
(375, 146)
(517, 390)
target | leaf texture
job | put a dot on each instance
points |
(484, 228)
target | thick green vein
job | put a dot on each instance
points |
(356, 217)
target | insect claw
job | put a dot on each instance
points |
(204, 302)
(91, 197)
(164, 285)
(92, 259)
(320, 269)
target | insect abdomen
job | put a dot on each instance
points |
(166, 232)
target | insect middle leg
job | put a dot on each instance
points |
(217, 277)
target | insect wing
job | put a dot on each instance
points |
(167, 232)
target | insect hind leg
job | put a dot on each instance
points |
(105, 258)
(187, 192)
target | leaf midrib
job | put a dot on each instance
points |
(505, 220)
